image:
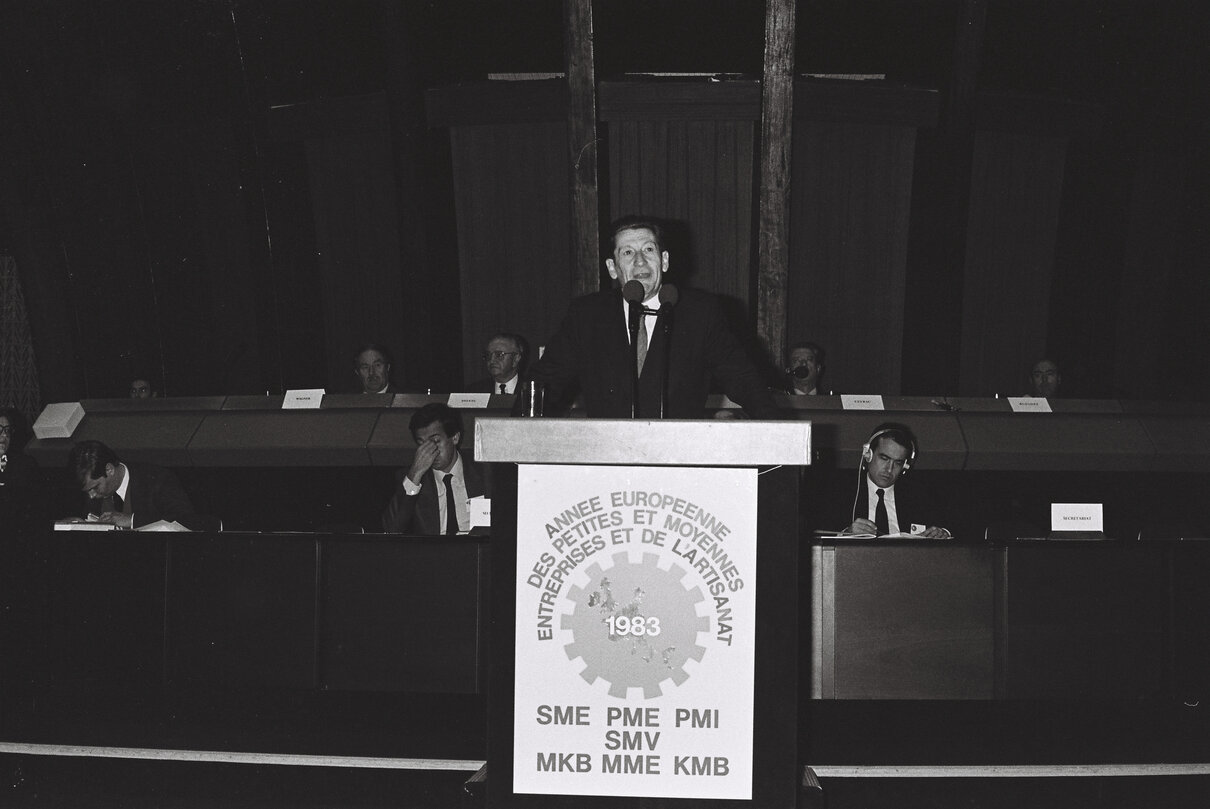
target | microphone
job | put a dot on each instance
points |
(669, 295)
(801, 372)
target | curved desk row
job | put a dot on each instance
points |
(372, 430)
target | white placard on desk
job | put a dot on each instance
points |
(59, 420)
(481, 512)
(1029, 404)
(873, 401)
(469, 399)
(1077, 517)
(309, 399)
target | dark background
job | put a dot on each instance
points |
(233, 194)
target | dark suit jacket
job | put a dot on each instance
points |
(488, 385)
(591, 353)
(407, 514)
(154, 494)
(21, 495)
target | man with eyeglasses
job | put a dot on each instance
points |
(504, 357)
(683, 337)
(372, 367)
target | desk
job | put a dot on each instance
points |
(1046, 619)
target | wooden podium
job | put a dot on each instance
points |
(645, 644)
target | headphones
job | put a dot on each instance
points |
(867, 451)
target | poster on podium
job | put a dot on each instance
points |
(635, 639)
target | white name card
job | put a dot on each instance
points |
(1028, 404)
(59, 420)
(309, 399)
(481, 512)
(865, 402)
(468, 399)
(1077, 517)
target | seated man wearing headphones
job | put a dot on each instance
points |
(879, 506)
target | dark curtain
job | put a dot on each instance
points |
(1015, 197)
(511, 196)
(849, 213)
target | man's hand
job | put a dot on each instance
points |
(862, 526)
(426, 453)
(933, 532)
(117, 518)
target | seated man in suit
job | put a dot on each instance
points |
(128, 495)
(880, 506)
(505, 358)
(433, 497)
(372, 367)
(805, 369)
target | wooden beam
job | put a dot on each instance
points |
(776, 130)
(582, 145)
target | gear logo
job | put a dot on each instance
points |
(635, 625)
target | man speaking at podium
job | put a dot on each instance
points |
(681, 342)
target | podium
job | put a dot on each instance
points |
(644, 647)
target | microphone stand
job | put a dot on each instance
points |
(636, 312)
(665, 319)
(632, 293)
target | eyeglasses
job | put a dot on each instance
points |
(6, 429)
(373, 366)
(499, 355)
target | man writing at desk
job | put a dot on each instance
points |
(128, 495)
(880, 506)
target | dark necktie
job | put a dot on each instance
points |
(642, 342)
(880, 517)
(117, 502)
(502, 387)
(451, 516)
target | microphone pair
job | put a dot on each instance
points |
(634, 292)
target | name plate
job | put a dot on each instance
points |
(1077, 517)
(59, 420)
(468, 399)
(1028, 404)
(864, 402)
(309, 399)
(481, 512)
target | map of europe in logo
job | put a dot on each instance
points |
(635, 625)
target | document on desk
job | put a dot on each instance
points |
(162, 525)
(77, 524)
